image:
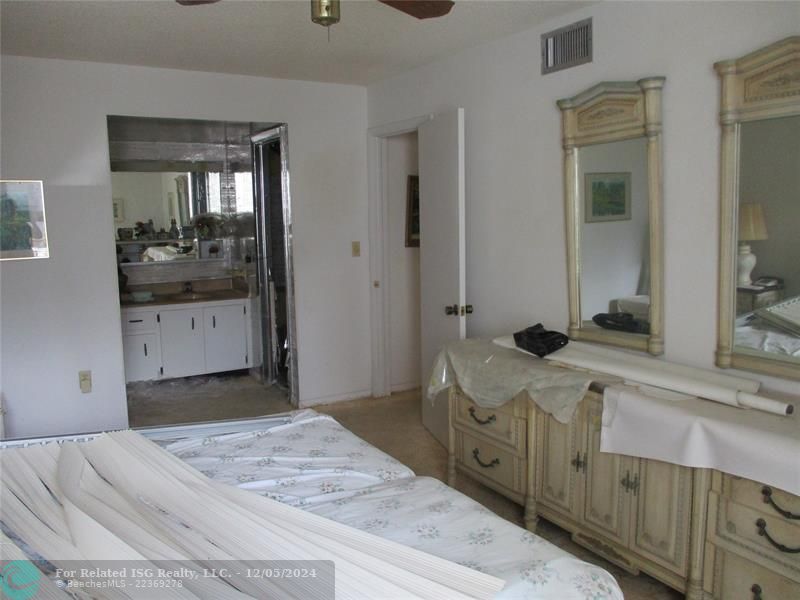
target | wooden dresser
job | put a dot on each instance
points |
(634, 512)
(753, 541)
(491, 446)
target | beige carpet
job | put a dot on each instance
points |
(393, 424)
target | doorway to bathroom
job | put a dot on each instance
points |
(202, 224)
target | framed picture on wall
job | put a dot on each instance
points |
(607, 197)
(412, 212)
(23, 231)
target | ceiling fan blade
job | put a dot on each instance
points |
(421, 9)
(193, 2)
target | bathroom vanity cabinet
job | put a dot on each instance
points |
(162, 342)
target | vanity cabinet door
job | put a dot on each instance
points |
(182, 342)
(662, 496)
(142, 360)
(560, 450)
(608, 489)
(226, 338)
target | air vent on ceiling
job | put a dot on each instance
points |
(567, 46)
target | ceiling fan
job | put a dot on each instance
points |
(421, 9)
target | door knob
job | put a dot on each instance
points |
(451, 310)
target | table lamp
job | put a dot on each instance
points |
(752, 227)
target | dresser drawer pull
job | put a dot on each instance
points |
(756, 589)
(491, 418)
(135, 320)
(766, 491)
(761, 524)
(476, 456)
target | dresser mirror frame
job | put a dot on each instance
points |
(764, 84)
(612, 112)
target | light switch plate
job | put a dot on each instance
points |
(356, 248)
(85, 379)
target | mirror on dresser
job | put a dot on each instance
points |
(612, 193)
(759, 280)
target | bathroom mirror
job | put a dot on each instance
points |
(759, 276)
(612, 196)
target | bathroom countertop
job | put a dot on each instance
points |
(126, 300)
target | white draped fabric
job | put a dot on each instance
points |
(693, 433)
(121, 497)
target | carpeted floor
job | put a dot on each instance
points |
(393, 424)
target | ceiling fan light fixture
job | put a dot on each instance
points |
(325, 12)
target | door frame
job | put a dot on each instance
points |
(281, 133)
(378, 214)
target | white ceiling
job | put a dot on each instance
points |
(273, 38)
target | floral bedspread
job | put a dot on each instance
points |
(316, 464)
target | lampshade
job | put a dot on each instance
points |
(752, 225)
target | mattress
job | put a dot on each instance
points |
(316, 464)
(756, 334)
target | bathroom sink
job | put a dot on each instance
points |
(189, 296)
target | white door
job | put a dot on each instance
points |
(442, 250)
(182, 352)
(226, 338)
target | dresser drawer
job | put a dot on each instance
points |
(487, 460)
(737, 578)
(139, 321)
(739, 524)
(498, 424)
(750, 493)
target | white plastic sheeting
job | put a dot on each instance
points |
(121, 497)
(492, 375)
(695, 433)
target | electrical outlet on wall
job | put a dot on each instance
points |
(85, 380)
(356, 246)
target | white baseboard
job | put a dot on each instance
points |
(307, 402)
(404, 387)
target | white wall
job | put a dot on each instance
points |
(612, 252)
(516, 271)
(143, 197)
(404, 309)
(54, 128)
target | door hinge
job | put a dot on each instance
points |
(158, 317)
(245, 309)
(161, 370)
(247, 359)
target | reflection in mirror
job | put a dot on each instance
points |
(615, 258)
(768, 270)
(759, 266)
(162, 197)
(181, 189)
(612, 199)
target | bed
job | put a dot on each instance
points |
(756, 334)
(302, 468)
(314, 463)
